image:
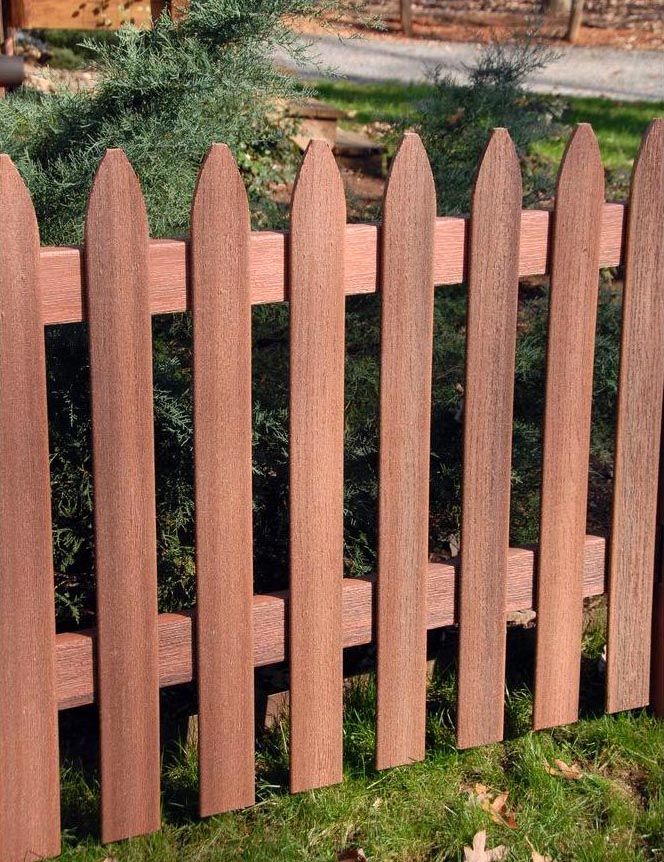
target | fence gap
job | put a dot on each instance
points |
(221, 308)
(566, 437)
(116, 259)
(641, 382)
(29, 768)
(318, 226)
(493, 274)
(409, 213)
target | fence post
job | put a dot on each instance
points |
(316, 438)
(119, 325)
(493, 285)
(406, 344)
(657, 655)
(29, 768)
(641, 382)
(221, 312)
(566, 438)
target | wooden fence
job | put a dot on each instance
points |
(123, 277)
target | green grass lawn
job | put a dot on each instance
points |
(608, 806)
(618, 125)
(588, 792)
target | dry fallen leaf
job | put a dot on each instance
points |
(496, 808)
(564, 770)
(535, 856)
(479, 853)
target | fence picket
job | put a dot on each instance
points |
(318, 223)
(657, 631)
(566, 443)
(221, 308)
(29, 768)
(116, 255)
(493, 270)
(638, 434)
(409, 212)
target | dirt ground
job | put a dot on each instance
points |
(629, 25)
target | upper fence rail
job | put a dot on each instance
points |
(62, 277)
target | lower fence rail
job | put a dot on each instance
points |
(75, 651)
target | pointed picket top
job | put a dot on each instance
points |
(574, 256)
(318, 172)
(406, 296)
(316, 416)
(499, 172)
(116, 196)
(219, 187)
(632, 679)
(221, 314)
(29, 769)
(410, 176)
(19, 223)
(649, 163)
(120, 342)
(581, 166)
(493, 280)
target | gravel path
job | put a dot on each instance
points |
(628, 75)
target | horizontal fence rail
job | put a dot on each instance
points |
(61, 274)
(75, 651)
(121, 277)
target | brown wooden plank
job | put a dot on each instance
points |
(222, 456)
(75, 650)
(62, 278)
(638, 434)
(657, 632)
(490, 345)
(116, 242)
(29, 776)
(318, 222)
(409, 213)
(72, 14)
(566, 443)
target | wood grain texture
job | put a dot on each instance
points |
(409, 213)
(29, 768)
(116, 242)
(87, 15)
(62, 277)
(638, 434)
(222, 457)
(490, 345)
(75, 651)
(657, 632)
(566, 439)
(318, 223)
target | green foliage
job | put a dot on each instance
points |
(163, 95)
(455, 120)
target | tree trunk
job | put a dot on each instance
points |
(558, 7)
(407, 17)
(575, 21)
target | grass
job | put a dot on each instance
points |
(618, 125)
(612, 812)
